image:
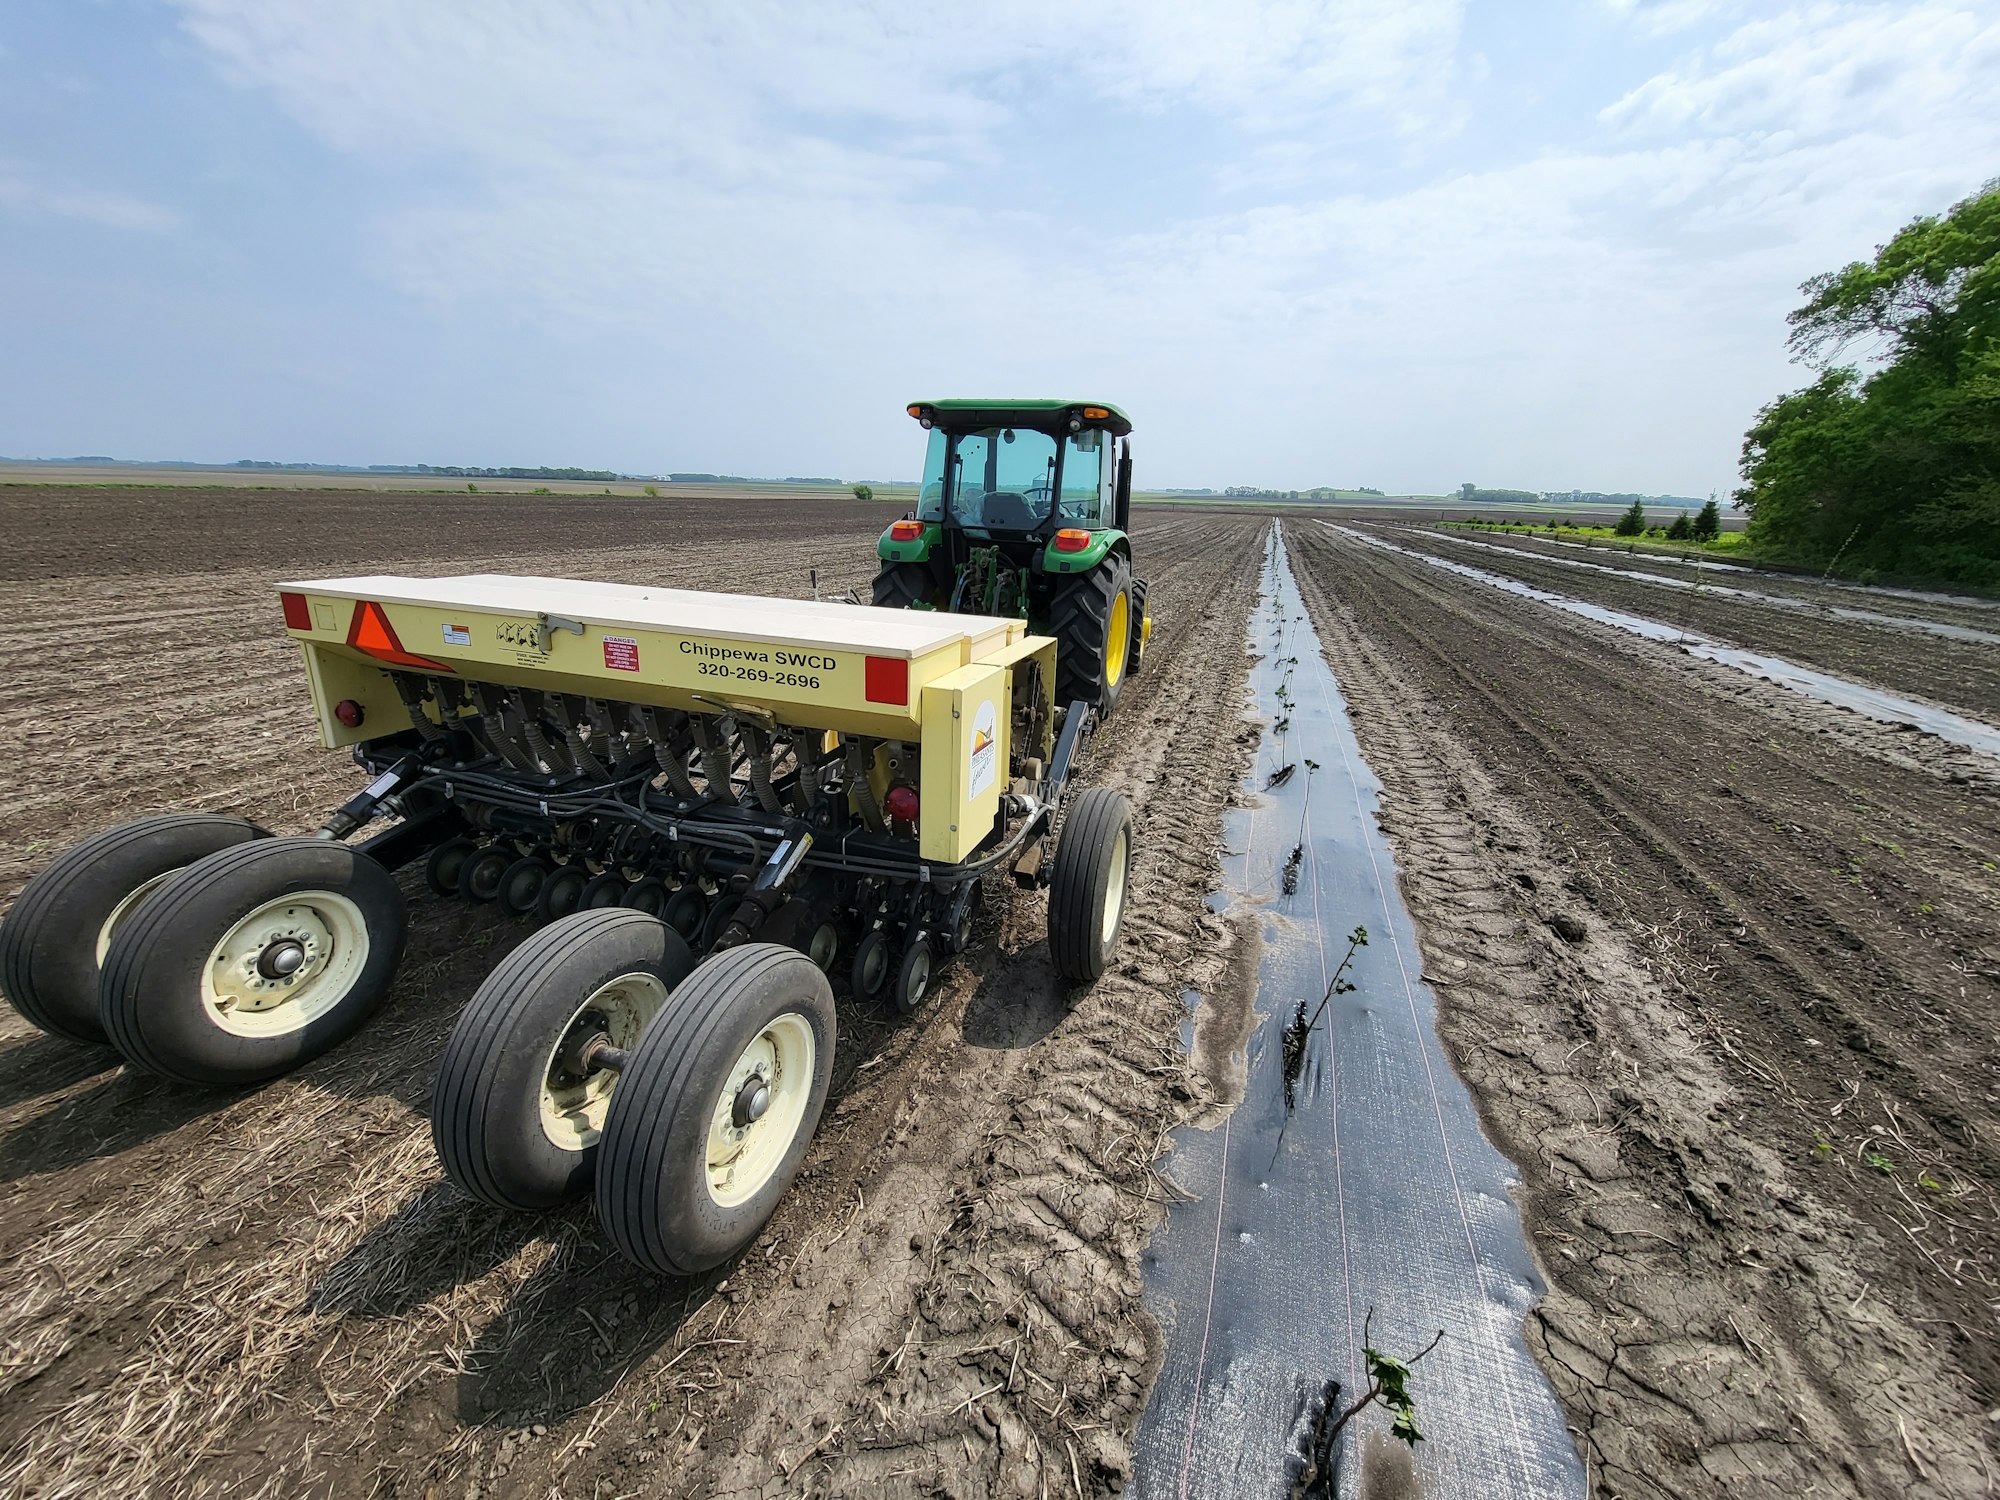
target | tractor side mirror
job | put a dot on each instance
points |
(1121, 496)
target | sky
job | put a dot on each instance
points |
(1537, 244)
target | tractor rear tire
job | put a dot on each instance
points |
(899, 585)
(253, 961)
(53, 943)
(1087, 889)
(715, 1110)
(1085, 613)
(515, 1120)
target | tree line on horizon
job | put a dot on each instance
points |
(1894, 468)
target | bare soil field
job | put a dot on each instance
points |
(273, 1292)
(1780, 976)
(1945, 607)
(1956, 674)
(1721, 968)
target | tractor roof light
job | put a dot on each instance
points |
(1069, 539)
(906, 530)
(1096, 413)
(922, 413)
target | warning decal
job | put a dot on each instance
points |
(458, 635)
(621, 653)
(985, 750)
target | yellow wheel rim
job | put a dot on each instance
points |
(572, 1107)
(124, 909)
(1114, 889)
(758, 1112)
(1117, 639)
(285, 965)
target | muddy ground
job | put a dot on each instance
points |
(1785, 978)
(1721, 969)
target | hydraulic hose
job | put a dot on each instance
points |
(858, 756)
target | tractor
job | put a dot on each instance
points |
(1023, 512)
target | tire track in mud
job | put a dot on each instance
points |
(1663, 1078)
(273, 1293)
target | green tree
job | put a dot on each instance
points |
(1682, 530)
(1708, 523)
(864, 492)
(1898, 469)
(1633, 522)
(1467, 490)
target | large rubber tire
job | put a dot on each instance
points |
(660, 1201)
(1080, 618)
(60, 927)
(180, 994)
(510, 1127)
(1087, 890)
(899, 585)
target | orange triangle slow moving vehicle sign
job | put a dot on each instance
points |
(372, 632)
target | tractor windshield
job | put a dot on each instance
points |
(1000, 478)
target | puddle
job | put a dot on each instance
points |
(1371, 1199)
(1839, 691)
(1724, 591)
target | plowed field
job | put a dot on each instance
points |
(1785, 978)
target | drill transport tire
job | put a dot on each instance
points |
(53, 943)
(519, 1106)
(253, 961)
(1087, 889)
(716, 1108)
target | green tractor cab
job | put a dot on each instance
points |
(1023, 512)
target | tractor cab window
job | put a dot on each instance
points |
(1000, 478)
(1085, 466)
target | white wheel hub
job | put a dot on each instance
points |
(759, 1109)
(574, 1103)
(286, 964)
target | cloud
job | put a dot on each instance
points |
(22, 195)
(835, 199)
(1825, 70)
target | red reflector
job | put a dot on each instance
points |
(1069, 539)
(372, 632)
(906, 531)
(901, 804)
(349, 713)
(886, 679)
(298, 615)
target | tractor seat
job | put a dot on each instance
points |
(1006, 511)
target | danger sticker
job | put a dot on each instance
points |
(621, 653)
(458, 635)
